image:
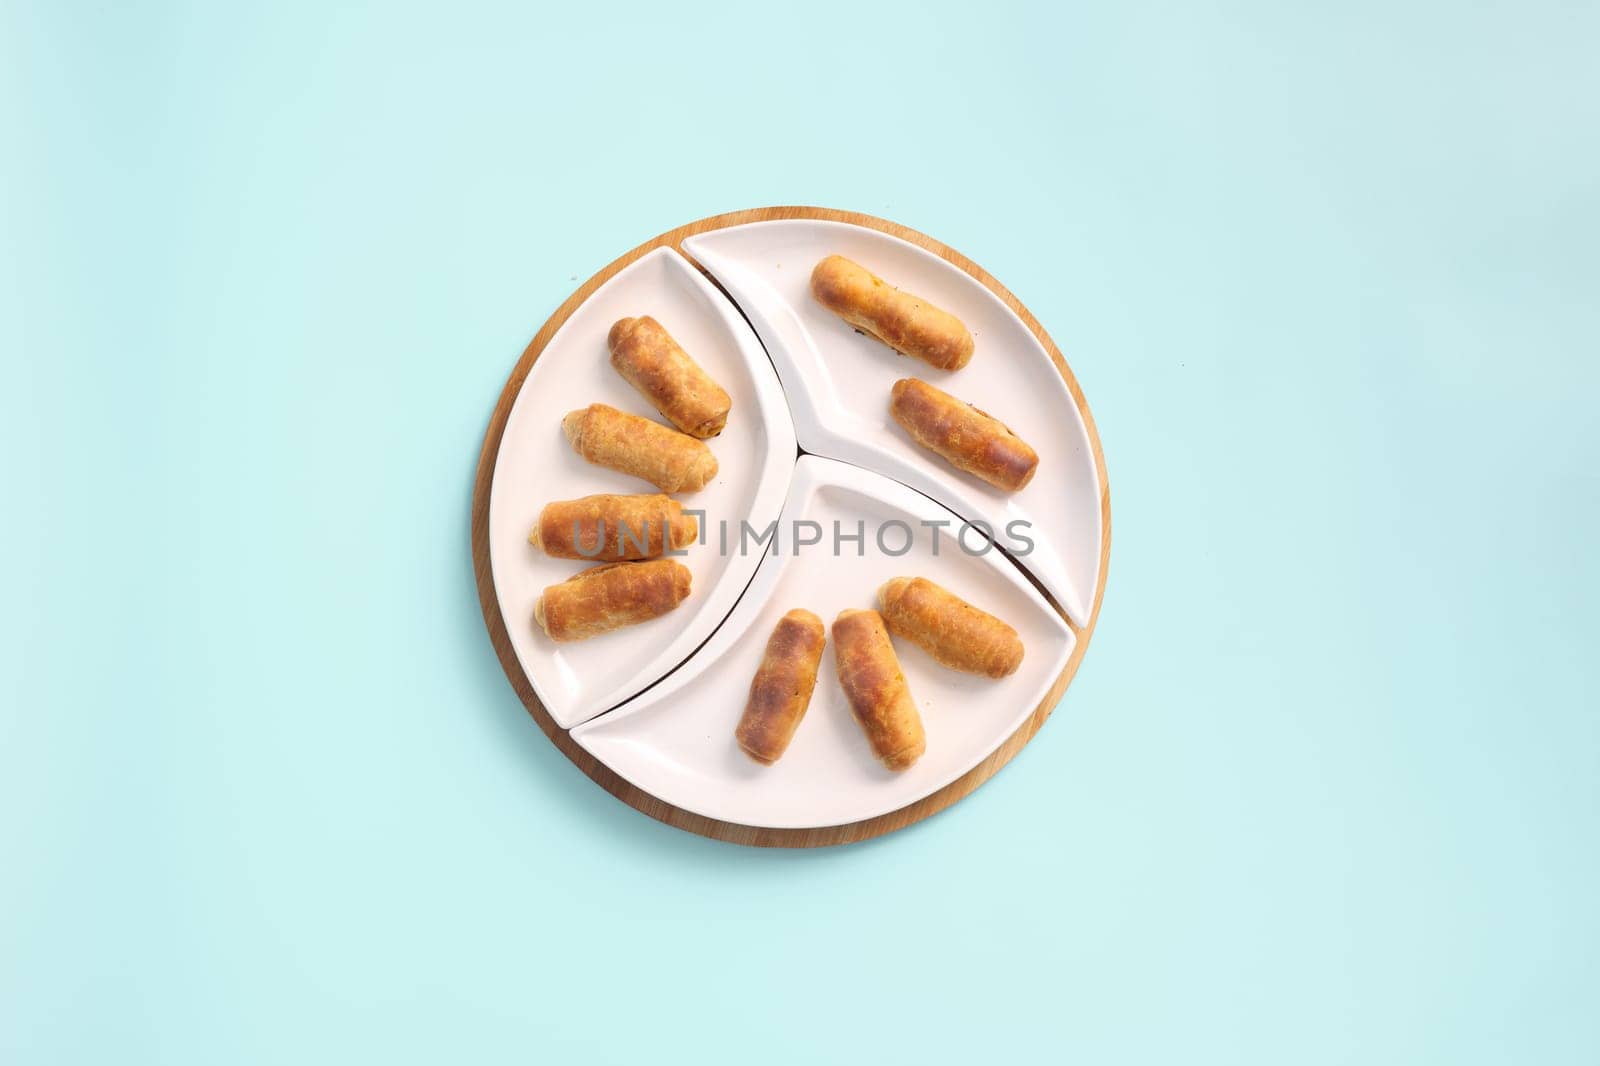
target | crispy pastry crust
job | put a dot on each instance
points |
(906, 323)
(612, 528)
(781, 690)
(669, 460)
(870, 675)
(950, 629)
(644, 353)
(967, 438)
(611, 596)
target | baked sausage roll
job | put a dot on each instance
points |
(646, 355)
(950, 629)
(607, 528)
(781, 690)
(870, 675)
(965, 437)
(908, 324)
(611, 596)
(669, 460)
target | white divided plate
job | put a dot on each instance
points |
(675, 740)
(837, 382)
(535, 465)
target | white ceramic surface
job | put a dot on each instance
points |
(837, 383)
(675, 740)
(755, 453)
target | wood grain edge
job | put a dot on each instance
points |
(601, 774)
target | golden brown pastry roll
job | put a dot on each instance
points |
(950, 629)
(906, 323)
(607, 528)
(870, 675)
(646, 355)
(669, 460)
(781, 689)
(611, 596)
(967, 438)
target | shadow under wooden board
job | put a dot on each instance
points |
(603, 775)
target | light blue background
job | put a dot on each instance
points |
(1326, 790)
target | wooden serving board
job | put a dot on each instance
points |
(603, 775)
